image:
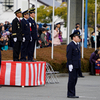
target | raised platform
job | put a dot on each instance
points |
(23, 73)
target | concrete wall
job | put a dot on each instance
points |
(75, 13)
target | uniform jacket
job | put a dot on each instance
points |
(73, 55)
(26, 29)
(17, 29)
(34, 28)
(93, 58)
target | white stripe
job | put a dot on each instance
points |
(42, 76)
(35, 74)
(32, 75)
(39, 74)
(18, 74)
(27, 75)
(7, 74)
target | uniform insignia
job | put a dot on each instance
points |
(26, 24)
(78, 33)
(33, 23)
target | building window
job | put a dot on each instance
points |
(8, 5)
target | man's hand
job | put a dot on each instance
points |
(15, 39)
(70, 68)
(23, 39)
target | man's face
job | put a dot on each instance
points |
(78, 25)
(26, 16)
(19, 15)
(32, 15)
(76, 38)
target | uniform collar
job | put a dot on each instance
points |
(18, 18)
(25, 18)
(31, 18)
(74, 42)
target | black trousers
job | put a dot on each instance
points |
(31, 48)
(92, 69)
(25, 50)
(16, 50)
(80, 72)
(72, 81)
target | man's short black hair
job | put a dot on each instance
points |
(77, 24)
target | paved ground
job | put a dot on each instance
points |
(88, 88)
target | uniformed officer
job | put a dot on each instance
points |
(73, 63)
(17, 34)
(26, 34)
(33, 30)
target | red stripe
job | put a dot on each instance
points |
(34, 74)
(23, 73)
(29, 74)
(13, 73)
(40, 73)
(44, 72)
(3, 71)
(37, 72)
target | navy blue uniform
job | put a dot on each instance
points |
(27, 35)
(16, 33)
(73, 58)
(33, 35)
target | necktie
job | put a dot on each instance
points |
(19, 20)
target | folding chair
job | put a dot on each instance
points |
(51, 76)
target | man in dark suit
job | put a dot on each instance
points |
(26, 34)
(33, 29)
(73, 63)
(17, 34)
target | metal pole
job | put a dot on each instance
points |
(86, 26)
(82, 28)
(28, 4)
(95, 24)
(36, 23)
(68, 22)
(53, 29)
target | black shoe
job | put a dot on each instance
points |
(22, 60)
(0, 86)
(81, 76)
(72, 96)
(16, 60)
(32, 60)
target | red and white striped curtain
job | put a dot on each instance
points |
(23, 73)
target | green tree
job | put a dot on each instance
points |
(91, 13)
(44, 14)
(62, 12)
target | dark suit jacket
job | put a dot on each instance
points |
(73, 55)
(17, 29)
(26, 29)
(34, 29)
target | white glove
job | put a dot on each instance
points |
(70, 68)
(15, 39)
(31, 39)
(30, 24)
(23, 39)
